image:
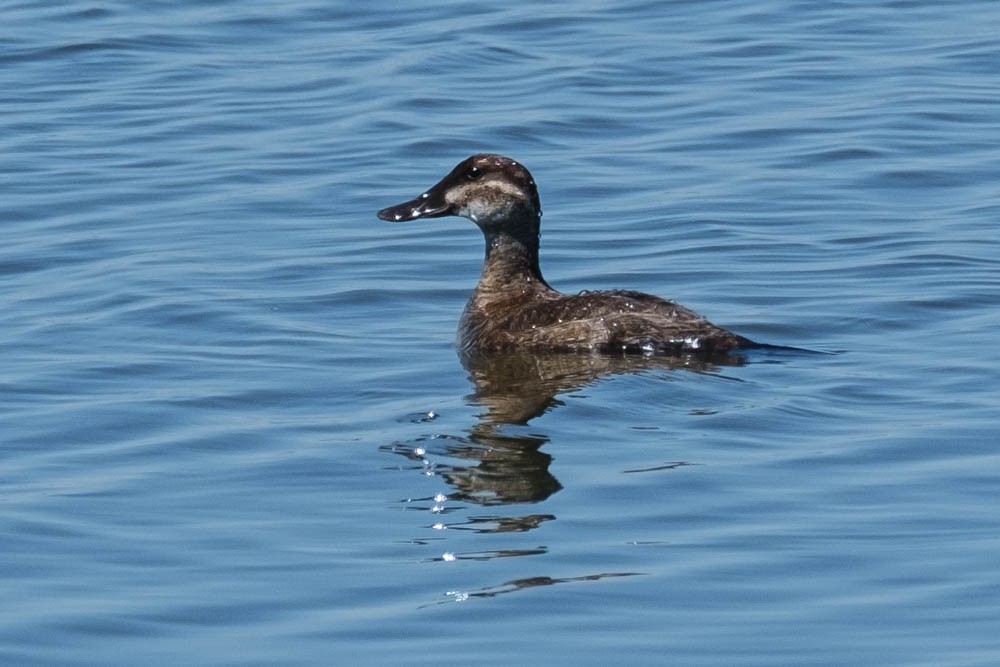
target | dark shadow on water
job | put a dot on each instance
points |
(525, 584)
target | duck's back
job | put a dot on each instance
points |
(614, 321)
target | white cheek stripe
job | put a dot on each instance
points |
(472, 207)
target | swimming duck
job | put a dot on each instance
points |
(513, 307)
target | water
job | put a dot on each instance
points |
(235, 429)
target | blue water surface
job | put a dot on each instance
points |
(234, 429)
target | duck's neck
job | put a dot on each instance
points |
(511, 263)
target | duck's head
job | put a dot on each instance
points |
(493, 191)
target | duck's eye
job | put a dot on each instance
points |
(474, 174)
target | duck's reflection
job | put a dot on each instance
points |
(499, 461)
(487, 467)
(516, 387)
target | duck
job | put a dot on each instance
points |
(513, 307)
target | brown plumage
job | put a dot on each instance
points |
(513, 307)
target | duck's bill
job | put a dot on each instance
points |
(428, 205)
